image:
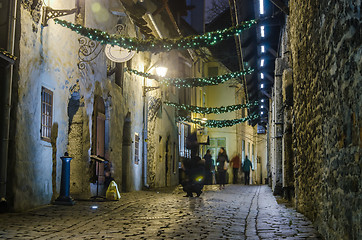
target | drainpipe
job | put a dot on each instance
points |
(7, 97)
(144, 138)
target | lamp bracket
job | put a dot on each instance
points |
(49, 13)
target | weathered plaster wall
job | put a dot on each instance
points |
(40, 64)
(325, 39)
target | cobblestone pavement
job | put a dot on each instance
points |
(237, 212)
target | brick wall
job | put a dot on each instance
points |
(325, 38)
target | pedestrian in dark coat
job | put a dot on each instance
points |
(222, 162)
(209, 167)
(246, 168)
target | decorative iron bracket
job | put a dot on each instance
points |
(49, 13)
(148, 89)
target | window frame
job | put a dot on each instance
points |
(46, 117)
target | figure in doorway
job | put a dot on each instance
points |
(246, 168)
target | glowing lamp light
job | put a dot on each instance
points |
(262, 48)
(262, 85)
(199, 179)
(261, 106)
(262, 31)
(94, 207)
(262, 63)
(161, 71)
(261, 113)
(261, 6)
(262, 75)
(262, 100)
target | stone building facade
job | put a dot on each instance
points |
(317, 92)
(69, 97)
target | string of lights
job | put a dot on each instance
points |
(191, 82)
(218, 123)
(154, 44)
(208, 110)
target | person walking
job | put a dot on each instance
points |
(246, 168)
(222, 161)
(235, 162)
(208, 167)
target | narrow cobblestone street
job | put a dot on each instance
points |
(237, 212)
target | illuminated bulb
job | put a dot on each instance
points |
(161, 71)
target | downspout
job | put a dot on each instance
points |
(7, 97)
(144, 137)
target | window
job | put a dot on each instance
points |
(183, 132)
(243, 150)
(119, 74)
(215, 145)
(213, 71)
(136, 148)
(46, 114)
(252, 157)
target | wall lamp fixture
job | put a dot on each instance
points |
(160, 71)
(49, 13)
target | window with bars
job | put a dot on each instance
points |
(136, 148)
(183, 132)
(46, 114)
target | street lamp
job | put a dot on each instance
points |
(161, 72)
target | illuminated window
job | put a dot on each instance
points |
(262, 63)
(46, 114)
(262, 100)
(261, 106)
(262, 85)
(262, 113)
(262, 75)
(262, 33)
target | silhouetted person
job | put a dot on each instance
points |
(209, 166)
(195, 174)
(235, 163)
(222, 160)
(246, 168)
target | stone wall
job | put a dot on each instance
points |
(325, 38)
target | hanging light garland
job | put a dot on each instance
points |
(191, 82)
(157, 45)
(208, 110)
(218, 123)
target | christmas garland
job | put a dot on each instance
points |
(208, 110)
(191, 82)
(7, 54)
(157, 45)
(218, 123)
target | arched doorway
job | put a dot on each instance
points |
(98, 140)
